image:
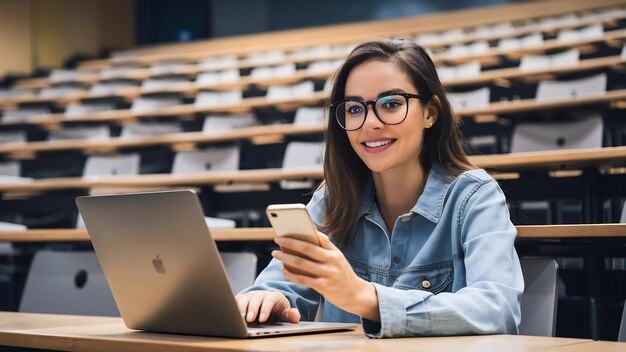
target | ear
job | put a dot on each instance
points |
(431, 112)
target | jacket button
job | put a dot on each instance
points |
(396, 259)
(426, 284)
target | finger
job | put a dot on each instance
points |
(291, 315)
(242, 303)
(300, 279)
(325, 242)
(271, 308)
(254, 305)
(301, 265)
(302, 248)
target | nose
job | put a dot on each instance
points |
(372, 121)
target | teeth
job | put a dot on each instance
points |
(377, 143)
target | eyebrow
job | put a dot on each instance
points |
(387, 92)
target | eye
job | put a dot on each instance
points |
(354, 109)
(391, 104)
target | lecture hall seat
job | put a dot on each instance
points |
(539, 300)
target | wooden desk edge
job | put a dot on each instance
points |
(267, 233)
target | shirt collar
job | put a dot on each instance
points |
(429, 204)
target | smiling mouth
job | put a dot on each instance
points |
(378, 144)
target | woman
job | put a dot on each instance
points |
(419, 240)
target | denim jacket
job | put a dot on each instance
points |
(448, 268)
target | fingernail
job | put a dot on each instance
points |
(279, 240)
(250, 316)
(262, 317)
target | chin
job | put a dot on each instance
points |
(377, 167)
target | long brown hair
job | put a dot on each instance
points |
(345, 173)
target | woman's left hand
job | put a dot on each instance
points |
(325, 269)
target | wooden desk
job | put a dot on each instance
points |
(191, 88)
(501, 162)
(599, 346)
(54, 235)
(127, 115)
(267, 233)
(85, 333)
(90, 78)
(279, 131)
(357, 32)
(496, 108)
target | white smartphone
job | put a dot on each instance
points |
(292, 220)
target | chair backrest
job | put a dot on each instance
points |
(324, 66)
(150, 129)
(9, 226)
(163, 82)
(539, 300)
(168, 67)
(10, 171)
(219, 223)
(13, 137)
(266, 58)
(118, 71)
(60, 75)
(148, 103)
(67, 283)
(269, 72)
(23, 114)
(467, 70)
(263, 72)
(212, 159)
(497, 29)
(621, 337)
(10, 168)
(58, 92)
(300, 90)
(220, 123)
(285, 70)
(469, 100)
(543, 62)
(216, 77)
(313, 52)
(307, 116)
(301, 155)
(538, 136)
(240, 268)
(475, 48)
(535, 39)
(111, 87)
(584, 87)
(91, 133)
(574, 35)
(303, 89)
(110, 165)
(82, 108)
(218, 63)
(208, 99)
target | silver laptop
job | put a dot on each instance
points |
(164, 269)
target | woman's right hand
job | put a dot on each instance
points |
(266, 306)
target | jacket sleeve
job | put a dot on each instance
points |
(272, 278)
(489, 303)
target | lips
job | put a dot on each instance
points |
(378, 145)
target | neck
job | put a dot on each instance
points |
(397, 191)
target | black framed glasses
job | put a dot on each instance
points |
(390, 109)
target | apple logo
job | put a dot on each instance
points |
(158, 265)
